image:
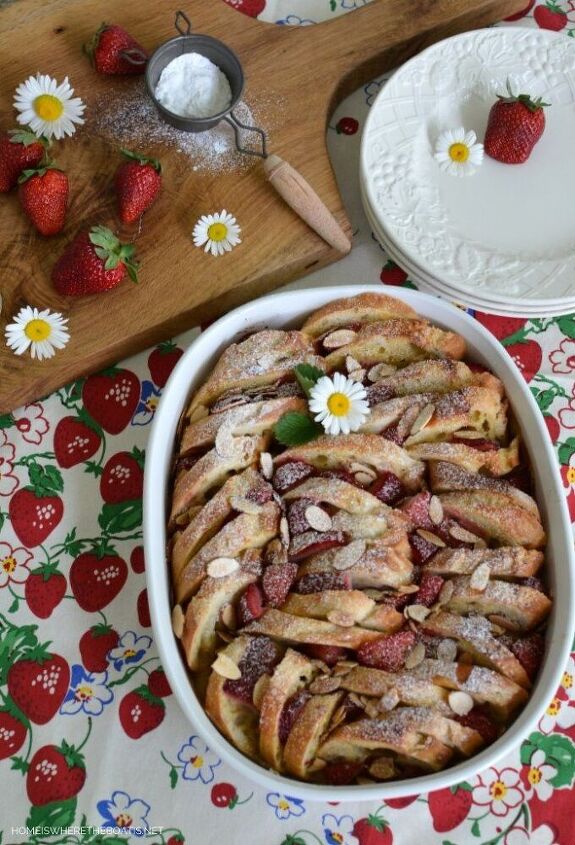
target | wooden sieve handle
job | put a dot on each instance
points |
(300, 196)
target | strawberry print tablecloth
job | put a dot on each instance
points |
(93, 746)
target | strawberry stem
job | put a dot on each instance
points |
(85, 740)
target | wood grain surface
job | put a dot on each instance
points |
(302, 72)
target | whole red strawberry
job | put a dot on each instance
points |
(123, 477)
(140, 712)
(95, 643)
(75, 441)
(138, 184)
(44, 590)
(449, 807)
(19, 149)
(43, 196)
(36, 510)
(55, 773)
(162, 361)
(515, 125)
(93, 262)
(115, 53)
(97, 578)
(158, 683)
(551, 16)
(373, 830)
(38, 683)
(12, 730)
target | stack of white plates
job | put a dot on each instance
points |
(501, 240)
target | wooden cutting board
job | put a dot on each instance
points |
(301, 74)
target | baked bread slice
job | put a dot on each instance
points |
(446, 478)
(474, 408)
(374, 565)
(307, 732)
(507, 562)
(292, 674)
(358, 453)
(522, 606)
(288, 628)
(400, 687)
(497, 516)
(355, 311)
(435, 375)
(262, 359)
(473, 634)
(494, 462)
(399, 342)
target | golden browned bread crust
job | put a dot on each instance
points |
(497, 515)
(360, 309)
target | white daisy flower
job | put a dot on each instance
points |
(42, 331)
(457, 152)
(219, 232)
(48, 108)
(339, 404)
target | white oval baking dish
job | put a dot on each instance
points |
(288, 310)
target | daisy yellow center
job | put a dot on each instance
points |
(217, 232)
(459, 152)
(338, 404)
(571, 475)
(37, 330)
(48, 107)
(9, 564)
(534, 776)
(498, 790)
(554, 707)
(197, 762)
(567, 680)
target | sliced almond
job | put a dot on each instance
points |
(435, 510)
(341, 337)
(357, 375)
(376, 595)
(351, 364)
(431, 538)
(266, 465)
(228, 617)
(323, 667)
(383, 768)
(219, 567)
(480, 577)
(338, 717)
(407, 589)
(460, 702)
(380, 371)
(469, 434)
(460, 533)
(446, 592)
(324, 684)
(423, 418)
(243, 505)
(480, 543)
(447, 650)
(415, 656)
(496, 629)
(343, 667)
(284, 531)
(417, 612)
(349, 555)
(178, 619)
(225, 666)
(503, 622)
(372, 708)
(363, 478)
(355, 699)
(317, 518)
(389, 699)
(224, 443)
(356, 466)
(260, 690)
(338, 617)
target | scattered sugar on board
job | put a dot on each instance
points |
(131, 120)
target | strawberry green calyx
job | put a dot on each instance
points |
(38, 171)
(71, 755)
(145, 693)
(526, 99)
(109, 248)
(142, 159)
(47, 570)
(101, 629)
(90, 48)
(27, 137)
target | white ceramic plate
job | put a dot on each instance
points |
(467, 296)
(290, 309)
(507, 231)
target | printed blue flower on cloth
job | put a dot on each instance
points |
(285, 805)
(147, 405)
(199, 760)
(121, 811)
(371, 90)
(88, 693)
(294, 20)
(130, 649)
(338, 831)
(353, 4)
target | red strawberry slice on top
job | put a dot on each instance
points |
(55, 773)
(123, 477)
(74, 442)
(36, 510)
(44, 590)
(111, 398)
(97, 577)
(38, 683)
(387, 652)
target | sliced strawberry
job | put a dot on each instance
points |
(330, 654)
(261, 495)
(529, 652)
(291, 474)
(379, 393)
(314, 542)
(394, 433)
(387, 652)
(429, 589)
(276, 582)
(341, 475)
(387, 487)
(250, 605)
(417, 510)
(482, 444)
(341, 772)
(421, 549)
(260, 657)
(479, 720)
(317, 582)
(296, 517)
(291, 710)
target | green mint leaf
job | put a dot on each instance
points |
(294, 429)
(307, 375)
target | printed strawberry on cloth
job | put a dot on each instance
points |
(93, 747)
